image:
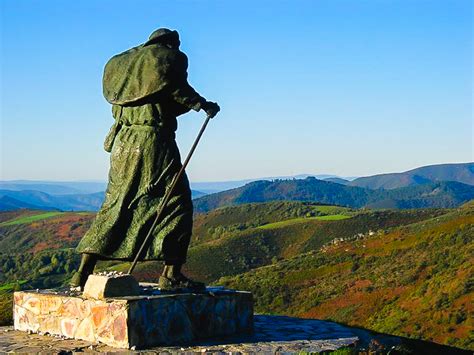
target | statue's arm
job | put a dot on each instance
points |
(181, 91)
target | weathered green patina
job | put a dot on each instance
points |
(148, 88)
(143, 162)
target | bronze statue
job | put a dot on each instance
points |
(148, 88)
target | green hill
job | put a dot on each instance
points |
(230, 251)
(33, 231)
(405, 272)
(36, 251)
(228, 220)
(415, 280)
(440, 194)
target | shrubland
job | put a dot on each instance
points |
(404, 272)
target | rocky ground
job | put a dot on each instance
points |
(273, 334)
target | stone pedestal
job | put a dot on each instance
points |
(103, 287)
(141, 321)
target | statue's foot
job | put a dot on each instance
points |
(180, 282)
(79, 280)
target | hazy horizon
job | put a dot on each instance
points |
(301, 175)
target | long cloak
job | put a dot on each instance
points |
(144, 159)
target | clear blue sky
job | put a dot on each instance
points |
(324, 86)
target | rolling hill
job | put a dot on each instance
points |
(337, 180)
(405, 272)
(414, 280)
(463, 173)
(210, 187)
(440, 194)
(35, 231)
(226, 242)
(8, 203)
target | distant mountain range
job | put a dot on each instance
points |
(445, 185)
(463, 172)
(460, 172)
(32, 199)
(39, 200)
(55, 187)
(439, 194)
(8, 203)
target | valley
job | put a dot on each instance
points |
(386, 270)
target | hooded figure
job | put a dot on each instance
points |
(148, 88)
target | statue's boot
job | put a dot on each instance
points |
(86, 268)
(179, 282)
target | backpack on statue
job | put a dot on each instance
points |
(141, 71)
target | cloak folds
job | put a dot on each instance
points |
(148, 88)
(143, 163)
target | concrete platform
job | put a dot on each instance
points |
(151, 319)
